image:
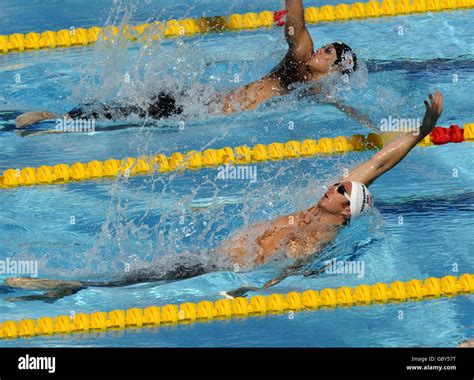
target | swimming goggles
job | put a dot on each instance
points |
(342, 190)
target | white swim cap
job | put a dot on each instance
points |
(361, 199)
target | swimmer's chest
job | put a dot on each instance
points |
(295, 240)
(263, 89)
(289, 72)
(307, 240)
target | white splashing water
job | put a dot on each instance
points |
(130, 74)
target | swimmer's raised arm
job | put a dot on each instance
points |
(393, 153)
(298, 38)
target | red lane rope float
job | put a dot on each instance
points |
(453, 134)
(279, 18)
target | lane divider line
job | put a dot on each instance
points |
(194, 160)
(241, 307)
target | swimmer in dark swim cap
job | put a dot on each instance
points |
(335, 57)
(301, 64)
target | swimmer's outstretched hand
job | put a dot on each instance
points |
(433, 110)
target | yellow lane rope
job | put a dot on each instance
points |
(192, 160)
(379, 293)
(65, 38)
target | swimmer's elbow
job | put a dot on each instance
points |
(378, 161)
(369, 171)
(378, 165)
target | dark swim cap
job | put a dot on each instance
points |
(345, 57)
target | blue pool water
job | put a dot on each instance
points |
(94, 230)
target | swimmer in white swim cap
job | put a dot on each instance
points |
(299, 235)
(359, 199)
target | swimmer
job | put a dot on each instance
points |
(468, 343)
(301, 64)
(299, 236)
(160, 106)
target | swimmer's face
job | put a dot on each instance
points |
(335, 203)
(321, 62)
